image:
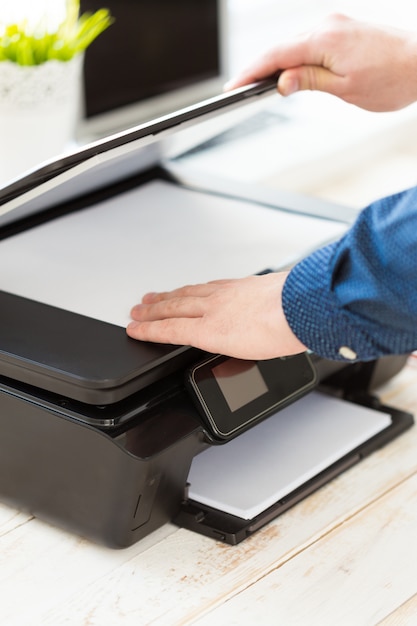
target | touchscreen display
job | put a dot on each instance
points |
(233, 394)
(240, 382)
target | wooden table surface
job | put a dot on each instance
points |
(345, 555)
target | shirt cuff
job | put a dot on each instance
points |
(321, 323)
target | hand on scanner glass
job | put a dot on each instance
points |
(241, 318)
(374, 68)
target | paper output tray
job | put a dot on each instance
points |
(232, 528)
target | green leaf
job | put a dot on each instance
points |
(21, 45)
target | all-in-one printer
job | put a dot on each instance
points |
(111, 438)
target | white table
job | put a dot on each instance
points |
(346, 555)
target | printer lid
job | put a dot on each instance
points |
(64, 352)
(124, 154)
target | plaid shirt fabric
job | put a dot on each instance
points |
(358, 296)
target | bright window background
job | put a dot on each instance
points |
(254, 25)
(374, 154)
(32, 10)
(332, 150)
(258, 24)
(295, 14)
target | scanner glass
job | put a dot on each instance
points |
(99, 261)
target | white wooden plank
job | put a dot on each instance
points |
(11, 518)
(41, 566)
(405, 615)
(357, 574)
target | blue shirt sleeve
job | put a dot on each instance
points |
(356, 299)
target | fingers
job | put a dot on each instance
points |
(185, 302)
(307, 77)
(292, 54)
(313, 78)
(199, 290)
(169, 307)
(242, 318)
(305, 62)
(174, 331)
(268, 65)
(180, 317)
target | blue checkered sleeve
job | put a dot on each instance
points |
(356, 299)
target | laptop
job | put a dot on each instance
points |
(156, 58)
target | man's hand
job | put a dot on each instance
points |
(370, 66)
(242, 318)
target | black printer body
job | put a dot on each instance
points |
(98, 432)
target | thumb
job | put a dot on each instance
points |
(308, 77)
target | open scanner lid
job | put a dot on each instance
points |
(124, 154)
(73, 355)
(136, 216)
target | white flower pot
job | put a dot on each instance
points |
(39, 108)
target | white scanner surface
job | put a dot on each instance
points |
(99, 261)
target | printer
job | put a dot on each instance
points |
(103, 435)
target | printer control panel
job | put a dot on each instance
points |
(233, 395)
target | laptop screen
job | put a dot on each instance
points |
(157, 56)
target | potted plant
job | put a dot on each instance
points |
(40, 86)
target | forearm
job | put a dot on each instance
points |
(361, 292)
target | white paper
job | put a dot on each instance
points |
(252, 472)
(100, 261)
